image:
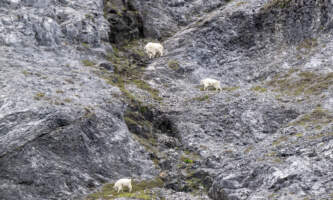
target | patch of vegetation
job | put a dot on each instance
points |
(174, 65)
(296, 83)
(306, 45)
(276, 4)
(271, 154)
(88, 63)
(279, 140)
(195, 185)
(248, 150)
(299, 135)
(69, 81)
(39, 96)
(90, 16)
(67, 100)
(26, 73)
(187, 160)
(201, 98)
(259, 89)
(141, 190)
(85, 45)
(130, 121)
(316, 117)
(128, 60)
(189, 157)
(272, 196)
(60, 92)
(240, 3)
(145, 86)
(230, 89)
(135, 47)
(320, 135)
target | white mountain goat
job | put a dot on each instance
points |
(207, 82)
(121, 183)
(152, 49)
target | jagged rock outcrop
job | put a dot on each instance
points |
(62, 132)
(81, 105)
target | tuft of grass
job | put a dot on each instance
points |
(85, 45)
(299, 135)
(201, 98)
(186, 160)
(174, 65)
(276, 4)
(230, 89)
(26, 73)
(60, 92)
(67, 100)
(248, 150)
(306, 45)
(279, 140)
(240, 3)
(259, 89)
(39, 96)
(138, 195)
(88, 63)
(145, 86)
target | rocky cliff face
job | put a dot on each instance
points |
(82, 106)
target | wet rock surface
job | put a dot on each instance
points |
(82, 106)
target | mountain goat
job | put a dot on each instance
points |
(207, 82)
(152, 49)
(121, 183)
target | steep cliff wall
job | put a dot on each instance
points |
(82, 106)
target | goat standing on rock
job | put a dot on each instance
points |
(152, 49)
(207, 82)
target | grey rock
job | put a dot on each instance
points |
(64, 130)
